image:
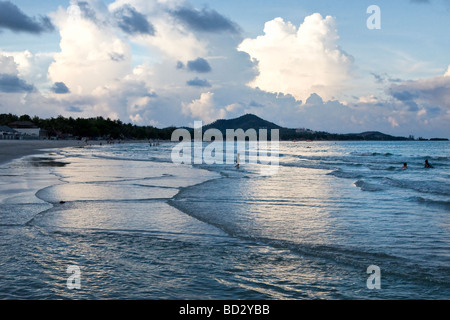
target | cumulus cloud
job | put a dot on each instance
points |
(8, 65)
(206, 20)
(433, 91)
(198, 83)
(199, 65)
(170, 37)
(60, 88)
(10, 82)
(12, 18)
(133, 22)
(31, 67)
(204, 108)
(91, 55)
(299, 61)
(86, 10)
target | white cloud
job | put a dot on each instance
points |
(8, 65)
(92, 54)
(368, 99)
(447, 74)
(393, 122)
(204, 108)
(171, 39)
(299, 61)
(32, 66)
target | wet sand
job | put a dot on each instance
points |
(13, 149)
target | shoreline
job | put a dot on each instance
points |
(15, 149)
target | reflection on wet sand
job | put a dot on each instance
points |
(46, 162)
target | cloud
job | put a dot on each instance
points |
(86, 10)
(133, 22)
(92, 54)
(198, 83)
(12, 18)
(204, 108)
(206, 20)
(31, 67)
(12, 83)
(74, 109)
(180, 65)
(299, 61)
(8, 65)
(433, 91)
(170, 37)
(199, 65)
(404, 95)
(393, 122)
(60, 88)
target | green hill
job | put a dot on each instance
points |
(245, 122)
(251, 121)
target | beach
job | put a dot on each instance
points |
(12, 149)
(138, 226)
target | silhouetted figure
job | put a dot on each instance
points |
(427, 165)
(405, 166)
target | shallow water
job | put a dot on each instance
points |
(140, 227)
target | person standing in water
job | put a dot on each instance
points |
(405, 166)
(427, 165)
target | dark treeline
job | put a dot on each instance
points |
(99, 127)
(91, 128)
(292, 134)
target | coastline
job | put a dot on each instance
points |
(14, 149)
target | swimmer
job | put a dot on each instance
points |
(427, 165)
(405, 166)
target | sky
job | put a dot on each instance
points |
(326, 65)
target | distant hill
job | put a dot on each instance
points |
(245, 122)
(251, 121)
(376, 135)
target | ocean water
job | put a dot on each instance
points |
(139, 226)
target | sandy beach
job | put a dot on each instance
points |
(12, 149)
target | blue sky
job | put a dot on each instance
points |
(311, 64)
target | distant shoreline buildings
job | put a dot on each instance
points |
(22, 130)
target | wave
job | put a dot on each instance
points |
(344, 174)
(361, 259)
(371, 154)
(438, 203)
(366, 186)
(433, 187)
(150, 159)
(307, 165)
(358, 258)
(390, 168)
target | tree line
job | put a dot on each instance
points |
(92, 128)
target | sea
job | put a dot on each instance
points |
(336, 221)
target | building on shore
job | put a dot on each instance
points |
(27, 130)
(6, 133)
